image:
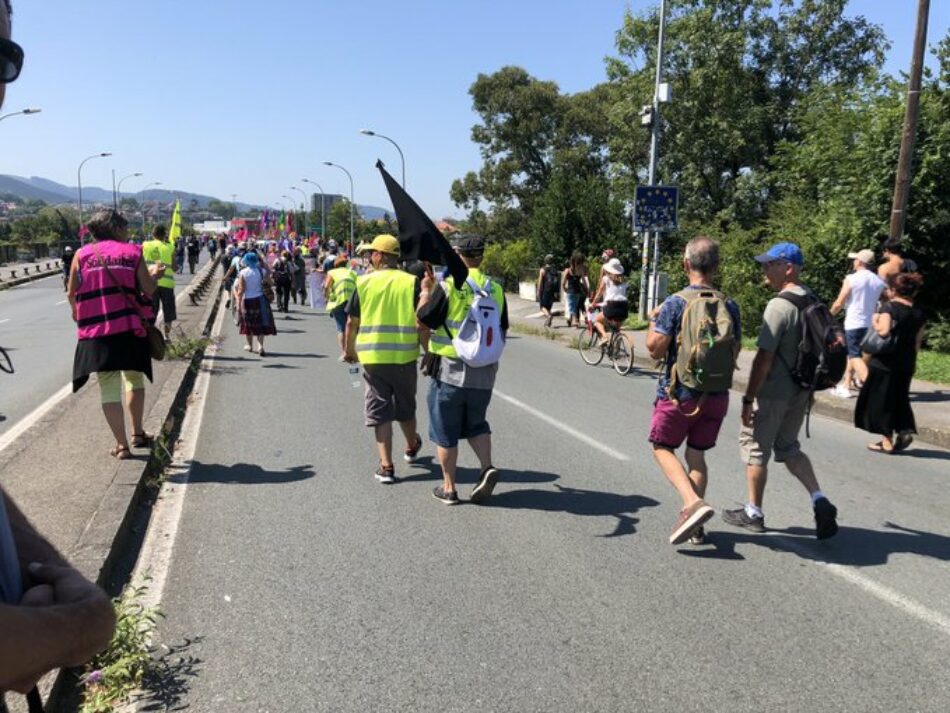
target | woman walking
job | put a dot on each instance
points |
(547, 288)
(576, 286)
(884, 402)
(256, 318)
(107, 280)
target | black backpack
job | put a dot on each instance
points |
(282, 273)
(550, 282)
(822, 352)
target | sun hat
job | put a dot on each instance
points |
(385, 243)
(613, 266)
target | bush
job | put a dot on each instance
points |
(507, 262)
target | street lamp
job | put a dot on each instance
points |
(24, 112)
(79, 181)
(303, 205)
(156, 183)
(323, 208)
(352, 204)
(131, 175)
(370, 132)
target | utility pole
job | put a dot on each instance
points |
(651, 175)
(911, 114)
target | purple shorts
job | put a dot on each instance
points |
(674, 423)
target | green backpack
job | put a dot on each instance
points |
(706, 344)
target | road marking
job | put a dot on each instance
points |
(155, 557)
(4, 320)
(61, 302)
(875, 589)
(25, 423)
(582, 437)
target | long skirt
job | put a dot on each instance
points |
(884, 403)
(257, 319)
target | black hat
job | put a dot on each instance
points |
(468, 244)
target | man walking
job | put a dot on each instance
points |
(859, 294)
(459, 393)
(692, 396)
(156, 251)
(381, 334)
(338, 288)
(774, 405)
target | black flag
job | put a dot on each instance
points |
(419, 239)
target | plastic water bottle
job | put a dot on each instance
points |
(354, 374)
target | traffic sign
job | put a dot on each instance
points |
(655, 208)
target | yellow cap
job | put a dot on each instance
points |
(385, 244)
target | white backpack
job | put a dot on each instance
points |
(479, 341)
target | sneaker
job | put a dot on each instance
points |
(826, 524)
(698, 537)
(690, 518)
(449, 498)
(413, 451)
(842, 392)
(486, 484)
(386, 474)
(740, 518)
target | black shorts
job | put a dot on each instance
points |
(165, 297)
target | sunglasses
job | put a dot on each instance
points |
(11, 60)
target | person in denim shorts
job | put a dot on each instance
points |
(691, 416)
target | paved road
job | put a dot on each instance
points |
(38, 332)
(299, 584)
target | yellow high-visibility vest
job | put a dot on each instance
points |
(388, 333)
(459, 303)
(342, 287)
(160, 251)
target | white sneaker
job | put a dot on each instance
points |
(843, 392)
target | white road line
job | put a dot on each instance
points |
(582, 437)
(155, 557)
(875, 589)
(33, 417)
(61, 302)
(4, 320)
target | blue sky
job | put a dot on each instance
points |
(248, 97)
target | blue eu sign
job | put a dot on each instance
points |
(655, 208)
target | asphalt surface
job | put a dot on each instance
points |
(40, 336)
(300, 584)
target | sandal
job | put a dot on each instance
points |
(120, 452)
(903, 441)
(142, 440)
(879, 448)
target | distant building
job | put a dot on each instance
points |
(328, 200)
(218, 227)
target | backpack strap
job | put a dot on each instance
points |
(800, 302)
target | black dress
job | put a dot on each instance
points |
(883, 405)
(117, 352)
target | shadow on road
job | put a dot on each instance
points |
(577, 501)
(853, 546)
(169, 678)
(469, 476)
(244, 474)
(914, 452)
(935, 396)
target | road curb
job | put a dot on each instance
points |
(119, 523)
(6, 285)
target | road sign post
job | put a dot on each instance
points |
(655, 210)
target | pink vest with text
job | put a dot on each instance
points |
(102, 303)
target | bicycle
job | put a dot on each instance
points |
(618, 348)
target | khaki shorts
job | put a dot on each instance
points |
(390, 392)
(775, 427)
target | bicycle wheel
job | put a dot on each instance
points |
(621, 353)
(589, 347)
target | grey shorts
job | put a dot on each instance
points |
(775, 427)
(165, 297)
(390, 392)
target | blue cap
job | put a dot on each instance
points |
(789, 252)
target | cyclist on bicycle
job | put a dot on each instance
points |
(613, 290)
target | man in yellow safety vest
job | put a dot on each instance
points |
(158, 251)
(459, 393)
(381, 334)
(339, 286)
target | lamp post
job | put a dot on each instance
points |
(119, 189)
(24, 112)
(323, 208)
(352, 204)
(370, 132)
(303, 205)
(156, 183)
(79, 181)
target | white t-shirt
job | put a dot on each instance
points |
(866, 287)
(614, 291)
(253, 286)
